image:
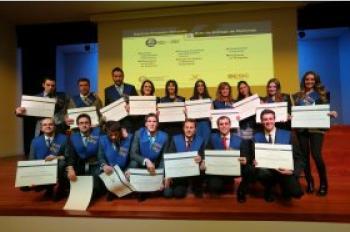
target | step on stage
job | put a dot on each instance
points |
(335, 207)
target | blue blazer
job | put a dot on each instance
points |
(111, 93)
(216, 144)
(281, 137)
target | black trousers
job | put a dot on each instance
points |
(179, 186)
(312, 141)
(289, 184)
(94, 171)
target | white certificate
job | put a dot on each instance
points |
(222, 162)
(280, 109)
(171, 112)
(314, 116)
(198, 108)
(181, 164)
(36, 172)
(115, 111)
(231, 113)
(142, 105)
(38, 106)
(142, 180)
(116, 182)
(75, 112)
(80, 193)
(274, 156)
(247, 106)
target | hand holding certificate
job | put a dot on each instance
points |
(115, 111)
(143, 181)
(247, 106)
(36, 172)
(38, 106)
(314, 116)
(222, 162)
(198, 108)
(274, 156)
(142, 105)
(280, 109)
(181, 164)
(80, 193)
(116, 182)
(171, 112)
(231, 113)
(75, 112)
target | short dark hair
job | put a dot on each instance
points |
(150, 115)
(267, 111)
(83, 116)
(117, 69)
(222, 118)
(83, 79)
(152, 87)
(48, 79)
(191, 120)
(113, 126)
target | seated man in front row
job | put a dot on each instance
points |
(225, 140)
(185, 142)
(49, 146)
(114, 150)
(287, 179)
(81, 153)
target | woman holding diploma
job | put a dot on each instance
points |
(247, 125)
(313, 92)
(273, 95)
(200, 91)
(114, 149)
(224, 97)
(171, 90)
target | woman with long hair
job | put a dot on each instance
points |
(274, 94)
(313, 92)
(200, 91)
(224, 97)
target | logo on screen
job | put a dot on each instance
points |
(151, 42)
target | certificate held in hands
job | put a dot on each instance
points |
(198, 108)
(80, 193)
(143, 181)
(314, 116)
(231, 113)
(38, 106)
(116, 182)
(280, 109)
(222, 162)
(181, 164)
(247, 106)
(274, 156)
(36, 172)
(171, 112)
(75, 112)
(142, 105)
(115, 111)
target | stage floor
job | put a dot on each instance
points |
(335, 207)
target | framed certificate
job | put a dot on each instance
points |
(314, 116)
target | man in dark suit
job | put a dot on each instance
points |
(119, 88)
(287, 179)
(116, 91)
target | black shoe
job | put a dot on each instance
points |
(241, 197)
(142, 197)
(110, 196)
(323, 190)
(48, 193)
(198, 193)
(25, 189)
(269, 196)
(310, 187)
(58, 195)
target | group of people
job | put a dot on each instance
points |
(141, 143)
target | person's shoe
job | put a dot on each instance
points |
(198, 193)
(142, 197)
(269, 196)
(241, 197)
(310, 187)
(25, 189)
(323, 190)
(58, 195)
(48, 193)
(110, 196)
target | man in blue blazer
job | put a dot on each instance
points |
(287, 179)
(118, 90)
